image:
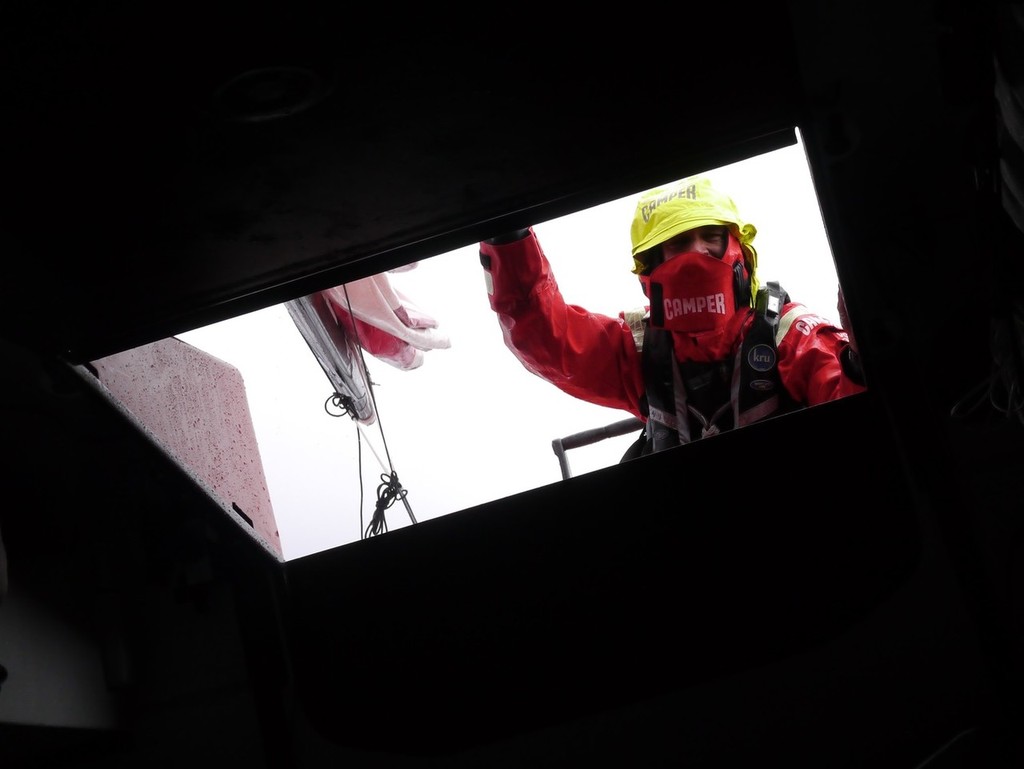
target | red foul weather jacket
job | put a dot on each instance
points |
(596, 358)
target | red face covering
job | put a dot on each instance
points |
(693, 292)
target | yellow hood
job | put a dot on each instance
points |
(663, 213)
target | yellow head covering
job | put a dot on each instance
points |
(663, 213)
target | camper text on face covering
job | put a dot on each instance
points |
(714, 303)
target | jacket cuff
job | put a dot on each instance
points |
(513, 271)
(507, 237)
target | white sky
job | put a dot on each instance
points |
(471, 425)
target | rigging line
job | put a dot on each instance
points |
(366, 374)
(391, 489)
(359, 429)
(345, 404)
(359, 465)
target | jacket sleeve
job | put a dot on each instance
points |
(811, 350)
(587, 355)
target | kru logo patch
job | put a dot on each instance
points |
(761, 357)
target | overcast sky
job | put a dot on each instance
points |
(471, 424)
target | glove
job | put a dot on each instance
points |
(507, 237)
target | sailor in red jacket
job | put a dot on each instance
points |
(711, 349)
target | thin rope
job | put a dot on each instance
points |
(346, 407)
(390, 489)
(366, 373)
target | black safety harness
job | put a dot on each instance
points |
(686, 401)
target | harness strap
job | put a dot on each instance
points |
(708, 426)
(755, 389)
